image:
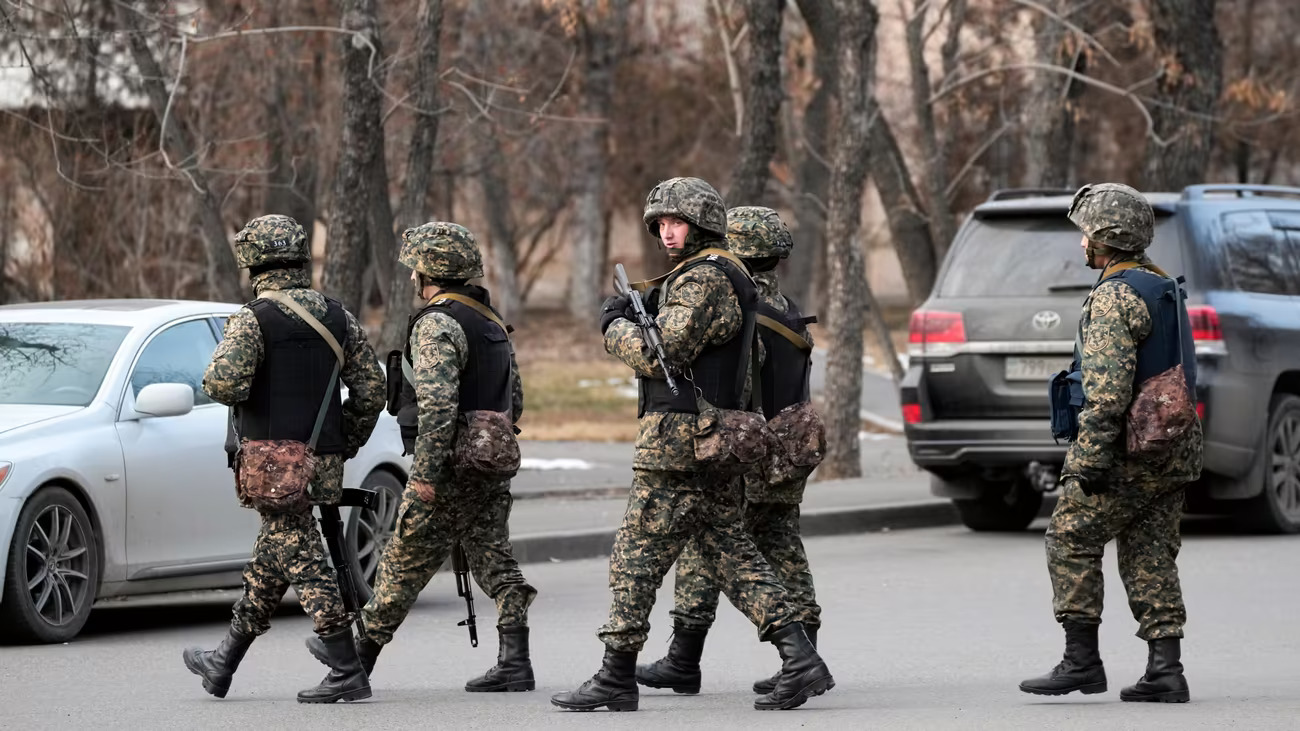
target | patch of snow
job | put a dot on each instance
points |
(537, 463)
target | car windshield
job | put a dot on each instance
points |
(1026, 256)
(55, 364)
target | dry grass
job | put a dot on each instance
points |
(573, 391)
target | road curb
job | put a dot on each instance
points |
(577, 545)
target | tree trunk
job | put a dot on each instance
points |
(762, 104)
(413, 209)
(222, 274)
(1187, 41)
(813, 175)
(600, 37)
(500, 249)
(359, 144)
(1049, 134)
(943, 225)
(909, 225)
(856, 53)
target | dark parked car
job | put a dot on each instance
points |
(1003, 315)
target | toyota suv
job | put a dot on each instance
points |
(1002, 319)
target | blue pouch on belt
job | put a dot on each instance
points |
(1065, 391)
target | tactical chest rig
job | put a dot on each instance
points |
(718, 374)
(788, 368)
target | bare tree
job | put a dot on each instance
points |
(600, 33)
(360, 148)
(763, 95)
(1191, 78)
(909, 224)
(1049, 134)
(943, 224)
(848, 286)
(222, 274)
(414, 209)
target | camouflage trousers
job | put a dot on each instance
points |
(289, 551)
(1144, 521)
(774, 528)
(665, 512)
(478, 516)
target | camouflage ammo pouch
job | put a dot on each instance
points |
(274, 475)
(1161, 415)
(730, 442)
(798, 443)
(486, 446)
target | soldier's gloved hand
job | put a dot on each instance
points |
(1089, 485)
(424, 490)
(613, 309)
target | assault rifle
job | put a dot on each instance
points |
(649, 327)
(331, 524)
(460, 567)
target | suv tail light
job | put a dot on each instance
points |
(929, 328)
(1205, 324)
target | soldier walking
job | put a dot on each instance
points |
(1135, 350)
(706, 313)
(274, 369)
(457, 415)
(760, 238)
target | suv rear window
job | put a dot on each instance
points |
(1261, 257)
(1033, 256)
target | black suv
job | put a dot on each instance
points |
(1003, 315)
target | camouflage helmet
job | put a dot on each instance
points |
(1113, 215)
(755, 232)
(690, 199)
(441, 250)
(273, 239)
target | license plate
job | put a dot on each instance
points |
(1034, 368)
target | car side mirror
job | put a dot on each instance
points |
(165, 399)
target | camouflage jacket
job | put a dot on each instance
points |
(1114, 322)
(441, 352)
(698, 310)
(229, 376)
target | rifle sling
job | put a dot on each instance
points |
(785, 332)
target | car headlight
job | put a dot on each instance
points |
(5, 467)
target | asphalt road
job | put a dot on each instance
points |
(925, 629)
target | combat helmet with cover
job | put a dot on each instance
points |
(690, 199)
(441, 250)
(270, 240)
(1113, 215)
(756, 232)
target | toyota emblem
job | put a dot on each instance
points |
(1046, 320)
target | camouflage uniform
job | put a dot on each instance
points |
(472, 511)
(771, 511)
(288, 549)
(1106, 492)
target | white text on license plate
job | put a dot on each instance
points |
(1034, 368)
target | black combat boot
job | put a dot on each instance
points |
(216, 667)
(367, 650)
(346, 680)
(803, 674)
(767, 685)
(613, 687)
(1080, 669)
(680, 668)
(513, 671)
(1164, 681)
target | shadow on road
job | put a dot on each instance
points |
(129, 617)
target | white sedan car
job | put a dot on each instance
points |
(113, 481)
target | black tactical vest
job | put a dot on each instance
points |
(484, 382)
(290, 383)
(1160, 351)
(719, 371)
(788, 366)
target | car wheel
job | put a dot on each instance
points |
(1001, 507)
(1276, 509)
(53, 570)
(369, 530)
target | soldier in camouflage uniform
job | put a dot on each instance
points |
(760, 238)
(461, 359)
(250, 371)
(702, 314)
(1106, 492)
